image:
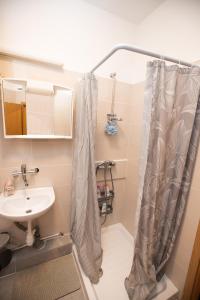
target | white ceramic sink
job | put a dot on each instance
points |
(26, 205)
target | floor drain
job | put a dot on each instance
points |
(27, 198)
(28, 211)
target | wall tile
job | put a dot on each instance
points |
(57, 219)
(134, 137)
(103, 108)
(51, 152)
(14, 152)
(123, 92)
(129, 206)
(55, 175)
(104, 89)
(110, 147)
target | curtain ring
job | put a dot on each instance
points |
(162, 58)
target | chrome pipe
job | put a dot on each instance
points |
(31, 171)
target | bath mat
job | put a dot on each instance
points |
(47, 281)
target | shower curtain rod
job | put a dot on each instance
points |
(143, 52)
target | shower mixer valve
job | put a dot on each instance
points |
(105, 164)
(113, 117)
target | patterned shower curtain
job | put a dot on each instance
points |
(85, 222)
(172, 127)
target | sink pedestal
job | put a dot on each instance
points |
(30, 234)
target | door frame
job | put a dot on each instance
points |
(192, 284)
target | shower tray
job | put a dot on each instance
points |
(117, 245)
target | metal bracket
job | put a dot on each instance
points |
(105, 164)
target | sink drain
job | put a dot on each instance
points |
(28, 211)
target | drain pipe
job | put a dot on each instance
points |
(20, 226)
(33, 237)
(30, 234)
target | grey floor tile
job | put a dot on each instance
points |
(47, 281)
(77, 295)
(52, 249)
(28, 256)
(6, 287)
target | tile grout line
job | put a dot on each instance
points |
(60, 298)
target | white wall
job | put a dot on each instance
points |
(172, 29)
(80, 34)
(74, 32)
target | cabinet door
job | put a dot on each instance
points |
(13, 118)
(24, 127)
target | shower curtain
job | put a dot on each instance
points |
(85, 222)
(172, 127)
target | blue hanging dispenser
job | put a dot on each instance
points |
(111, 127)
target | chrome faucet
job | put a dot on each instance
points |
(24, 172)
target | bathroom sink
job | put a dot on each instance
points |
(27, 204)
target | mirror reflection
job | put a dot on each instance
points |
(15, 108)
(34, 108)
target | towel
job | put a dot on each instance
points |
(39, 87)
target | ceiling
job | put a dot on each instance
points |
(134, 11)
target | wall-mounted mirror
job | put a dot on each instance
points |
(35, 109)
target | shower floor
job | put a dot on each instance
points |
(117, 245)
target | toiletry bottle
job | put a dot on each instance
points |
(104, 208)
(102, 190)
(98, 191)
(9, 187)
(107, 190)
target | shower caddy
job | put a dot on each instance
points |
(105, 194)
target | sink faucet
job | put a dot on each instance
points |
(24, 172)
